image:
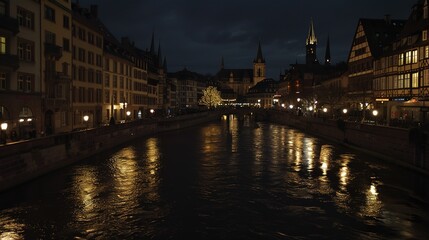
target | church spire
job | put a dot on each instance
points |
(311, 45)
(311, 38)
(259, 57)
(328, 53)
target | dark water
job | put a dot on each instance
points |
(222, 180)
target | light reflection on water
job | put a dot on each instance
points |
(223, 180)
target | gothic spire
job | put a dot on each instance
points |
(311, 38)
(259, 57)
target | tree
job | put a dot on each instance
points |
(211, 97)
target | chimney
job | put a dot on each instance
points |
(387, 18)
(94, 11)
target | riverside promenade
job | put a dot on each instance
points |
(408, 147)
(25, 160)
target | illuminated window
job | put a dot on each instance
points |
(414, 56)
(2, 45)
(415, 80)
(426, 51)
(401, 59)
(408, 57)
(407, 80)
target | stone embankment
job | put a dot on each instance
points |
(405, 147)
(26, 160)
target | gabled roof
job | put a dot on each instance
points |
(415, 22)
(380, 33)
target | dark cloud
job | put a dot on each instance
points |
(198, 33)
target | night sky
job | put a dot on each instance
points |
(197, 33)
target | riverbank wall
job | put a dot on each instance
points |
(26, 160)
(397, 145)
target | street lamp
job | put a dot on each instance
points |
(325, 110)
(3, 135)
(375, 114)
(128, 114)
(85, 119)
(345, 110)
(259, 102)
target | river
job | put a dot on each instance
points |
(222, 180)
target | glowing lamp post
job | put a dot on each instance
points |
(345, 110)
(375, 114)
(128, 115)
(85, 119)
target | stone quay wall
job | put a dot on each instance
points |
(397, 145)
(26, 160)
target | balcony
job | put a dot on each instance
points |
(52, 50)
(9, 23)
(9, 61)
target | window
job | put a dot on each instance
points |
(81, 55)
(82, 34)
(25, 18)
(26, 50)
(106, 96)
(90, 38)
(425, 35)
(2, 81)
(115, 81)
(414, 56)
(50, 37)
(2, 45)
(408, 57)
(91, 75)
(426, 52)
(25, 82)
(66, 22)
(106, 80)
(407, 80)
(401, 59)
(415, 80)
(66, 44)
(49, 14)
(90, 57)
(98, 60)
(98, 76)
